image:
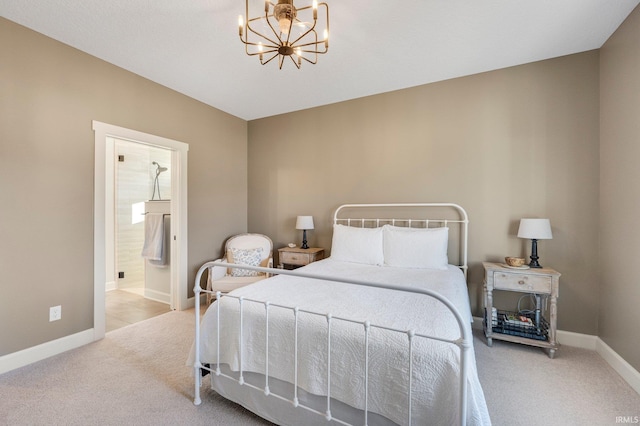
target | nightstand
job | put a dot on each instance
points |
(535, 330)
(291, 258)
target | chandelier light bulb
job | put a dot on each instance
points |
(284, 25)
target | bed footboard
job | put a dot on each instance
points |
(463, 342)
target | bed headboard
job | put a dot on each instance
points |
(413, 215)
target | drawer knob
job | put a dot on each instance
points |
(521, 282)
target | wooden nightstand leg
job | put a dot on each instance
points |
(553, 321)
(488, 315)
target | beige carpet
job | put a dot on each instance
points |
(137, 376)
(523, 386)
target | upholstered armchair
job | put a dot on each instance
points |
(243, 249)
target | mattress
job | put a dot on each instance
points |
(436, 369)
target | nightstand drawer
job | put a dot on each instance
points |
(294, 258)
(522, 282)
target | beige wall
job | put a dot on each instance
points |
(50, 93)
(512, 143)
(620, 190)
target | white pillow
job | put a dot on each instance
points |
(357, 245)
(416, 247)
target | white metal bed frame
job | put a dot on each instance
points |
(464, 342)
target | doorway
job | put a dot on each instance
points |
(105, 273)
(142, 287)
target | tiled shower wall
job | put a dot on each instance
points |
(134, 185)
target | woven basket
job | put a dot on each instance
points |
(514, 261)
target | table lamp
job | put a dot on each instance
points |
(535, 229)
(304, 223)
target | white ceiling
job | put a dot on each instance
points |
(192, 46)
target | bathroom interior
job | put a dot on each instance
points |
(142, 288)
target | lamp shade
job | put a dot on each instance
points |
(304, 222)
(535, 229)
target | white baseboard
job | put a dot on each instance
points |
(593, 343)
(158, 296)
(110, 285)
(628, 373)
(577, 340)
(37, 353)
(191, 302)
(477, 323)
(45, 350)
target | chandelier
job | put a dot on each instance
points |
(281, 30)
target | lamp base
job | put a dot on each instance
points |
(534, 264)
(304, 240)
(534, 255)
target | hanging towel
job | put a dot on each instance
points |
(154, 238)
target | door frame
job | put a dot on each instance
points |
(104, 215)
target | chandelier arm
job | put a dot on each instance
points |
(270, 59)
(314, 52)
(326, 6)
(312, 43)
(326, 40)
(275, 43)
(294, 61)
(275, 33)
(309, 60)
(326, 12)
(266, 52)
(270, 49)
(315, 21)
(267, 46)
(271, 44)
(289, 33)
(305, 34)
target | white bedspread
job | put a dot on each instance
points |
(436, 364)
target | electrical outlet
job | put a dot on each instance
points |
(55, 313)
